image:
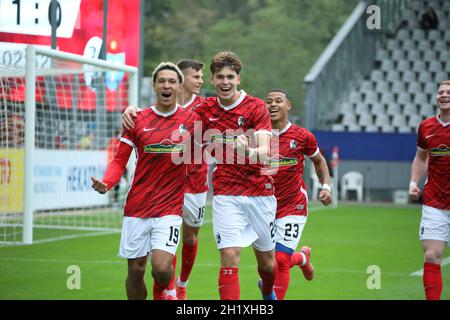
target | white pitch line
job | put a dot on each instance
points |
(419, 273)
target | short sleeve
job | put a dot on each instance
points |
(261, 119)
(311, 147)
(420, 138)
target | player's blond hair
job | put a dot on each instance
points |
(445, 83)
(168, 66)
(225, 59)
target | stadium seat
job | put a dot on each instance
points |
(377, 75)
(392, 44)
(414, 87)
(419, 66)
(387, 97)
(440, 46)
(346, 107)
(352, 181)
(425, 77)
(435, 66)
(398, 120)
(349, 118)
(366, 85)
(387, 128)
(426, 110)
(429, 55)
(418, 35)
(414, 55)
(403, 34)
(404, 129)
(392, 108)
(441, 76)
(434, 35)
(410, 109)
(365, 119)
(430, 88)
(353, 127)
(381, 55)
(361, 108)
(444, 57)
(371, 97)
(424, 45)
(398, 55)
(382, 86)
(371, 128)
(398, 87)
(387, 65)
(414, 120)
(338, 127)
(404, 98)
(377, 108)
(409, 76)
(403, 66)
(392, 76)
(381, 119)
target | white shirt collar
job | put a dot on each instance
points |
(165, 114)
(438, 117)
(184, 106)
(286, 128)
(242, 96)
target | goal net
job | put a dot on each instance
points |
(59, 124)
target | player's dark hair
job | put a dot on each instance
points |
(225, 59)
(190, 64)
(168, 66)
(279, 90)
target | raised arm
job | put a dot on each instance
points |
(114, 171)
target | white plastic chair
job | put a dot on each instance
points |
(352, 180)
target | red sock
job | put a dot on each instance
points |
(158, 290)
(268, 279)
(229, 288)
(171, 285)
(432, 281)
(297, 259)
(187, 260)
(283, 274)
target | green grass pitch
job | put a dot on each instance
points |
(345, 242)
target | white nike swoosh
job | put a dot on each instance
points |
(431, 135)
(148, 129)
(214, 119)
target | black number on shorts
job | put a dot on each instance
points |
(289, 229)
(272, 230)
(174, 233)
(201, 212)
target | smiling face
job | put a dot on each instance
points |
(166, 87)
(443, 96)
(193, 80)
(226, 81)
(279, 106)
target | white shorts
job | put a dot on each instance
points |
(241, 221)
(435, 224)
(141, 236)
(289, 233)
(194, 208)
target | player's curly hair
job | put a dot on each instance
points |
(225, 59)
(168, 66)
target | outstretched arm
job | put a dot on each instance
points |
(418, 169)
(114, 171)
(320, 164)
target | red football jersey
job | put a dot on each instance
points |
(434, 137)
(221, 125)
(288, 163)
(157, 185)
(197, 174)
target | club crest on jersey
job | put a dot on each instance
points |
(293, 144)
(182, 129)
(241, 121)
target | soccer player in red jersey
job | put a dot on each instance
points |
(288, 157)
(244, 204)
(196, 186)
(153, 209)
(433, 153)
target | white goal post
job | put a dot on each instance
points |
(59, 120)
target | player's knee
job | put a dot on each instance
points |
(432, 256)
(162, 274)
(190, 239)
(266, 263)
(136, 271)
(229, 257)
